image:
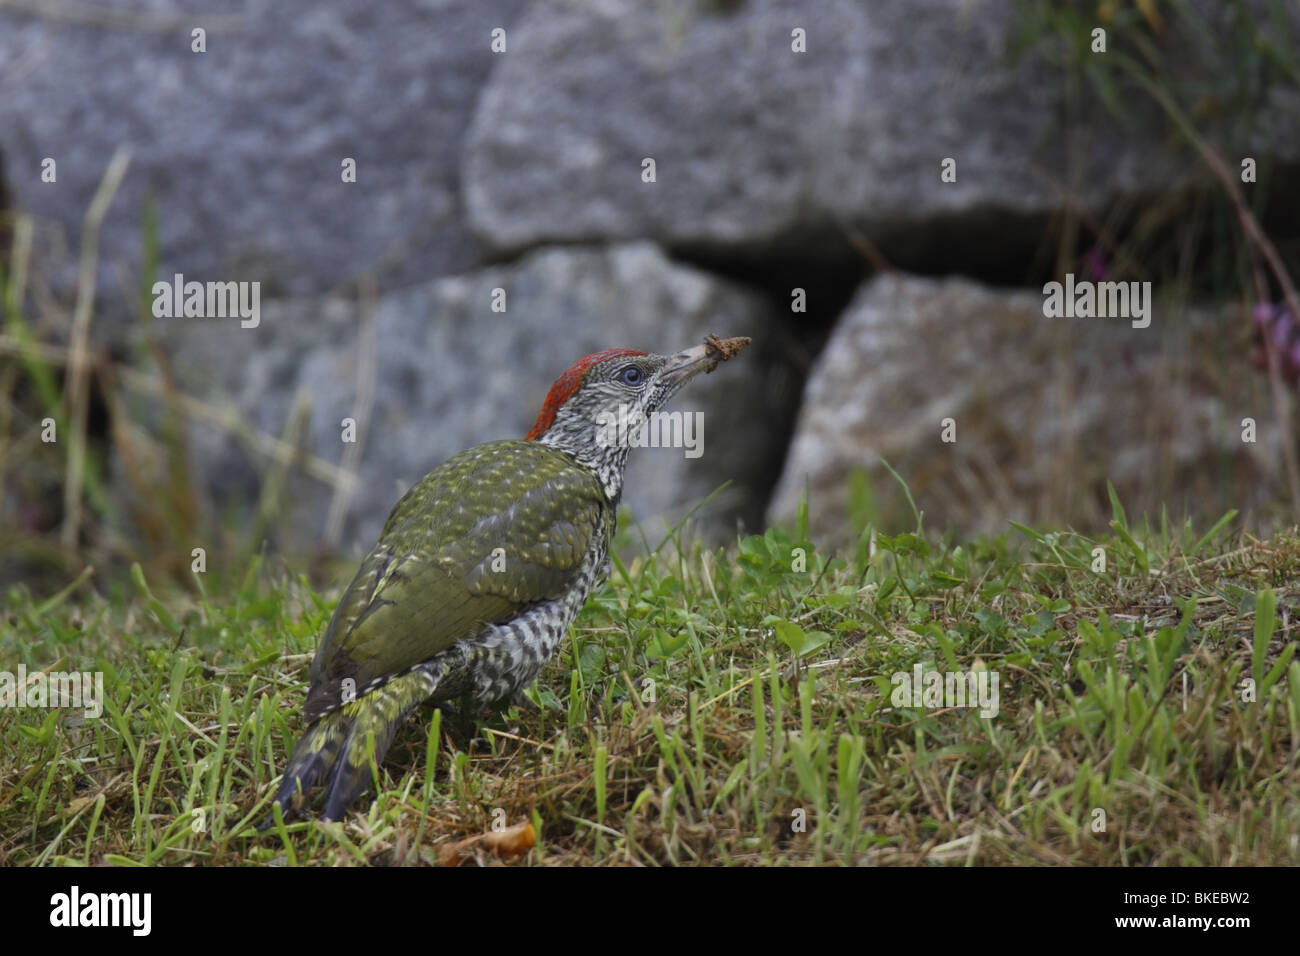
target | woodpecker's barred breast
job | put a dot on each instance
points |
(506, 658)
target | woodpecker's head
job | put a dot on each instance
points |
(603, 399)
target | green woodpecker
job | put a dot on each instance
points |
(480, 569)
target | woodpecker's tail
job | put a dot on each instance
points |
(336, 748)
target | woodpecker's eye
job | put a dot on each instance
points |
(631, 375)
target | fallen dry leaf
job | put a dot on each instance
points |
(508, 844)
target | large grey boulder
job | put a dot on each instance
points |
(450, 372)
(1044, 411)
(758, 146)
(240, 148)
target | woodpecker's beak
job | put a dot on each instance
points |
(684, 366)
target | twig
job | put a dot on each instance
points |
(77, 386)
(20, 257)
(1280, 398)
(227, 420)
(367, 350)
(268, 504)
(864, 247)
(15, 291)
(1250, 226)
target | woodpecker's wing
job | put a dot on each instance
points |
(481, 537)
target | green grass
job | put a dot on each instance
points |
(704, 705)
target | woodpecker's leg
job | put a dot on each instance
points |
(521, 700)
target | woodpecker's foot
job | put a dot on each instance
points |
(460, 720)
(525, 703)
(289, 811)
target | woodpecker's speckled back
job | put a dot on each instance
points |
(480, 569)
